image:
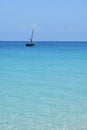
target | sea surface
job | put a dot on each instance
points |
(43, 87)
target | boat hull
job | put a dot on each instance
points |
(30, 45)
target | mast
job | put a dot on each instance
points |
(32, 35)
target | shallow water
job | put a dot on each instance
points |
(43, 87)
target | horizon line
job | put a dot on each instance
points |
(42, 41)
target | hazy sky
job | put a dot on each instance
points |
(51, 19)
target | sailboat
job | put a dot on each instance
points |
(31, 40)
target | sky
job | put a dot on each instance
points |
(52, 20)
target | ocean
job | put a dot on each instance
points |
(43, 87)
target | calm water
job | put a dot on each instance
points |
(43, 87)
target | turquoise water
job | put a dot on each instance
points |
(43, 87)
